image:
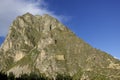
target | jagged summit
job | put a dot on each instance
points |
(41, 44)
(27, 14)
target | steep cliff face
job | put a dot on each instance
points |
(41, 44)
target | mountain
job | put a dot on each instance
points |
(41, 44)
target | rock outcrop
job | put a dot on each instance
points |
(41, 44)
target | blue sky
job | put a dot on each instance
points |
(95, 21)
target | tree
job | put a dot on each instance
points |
(11, 76)
(3, 76)
(63, 77)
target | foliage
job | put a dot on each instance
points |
(78, 75)
(63, 77)
(32, 76)
(100, 77)
(3, 76)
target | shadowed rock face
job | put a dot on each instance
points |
(41, 44)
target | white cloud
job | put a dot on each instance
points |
(10, 9)
(116, 57)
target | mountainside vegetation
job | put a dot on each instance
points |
(34, 76)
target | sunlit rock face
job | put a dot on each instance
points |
(41, 44)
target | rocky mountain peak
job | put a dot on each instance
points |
(41, 44)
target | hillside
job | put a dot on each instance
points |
(42, 44)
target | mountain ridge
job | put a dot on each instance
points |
(41, 44)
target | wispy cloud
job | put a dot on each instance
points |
(9, 9)
(116, 57)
